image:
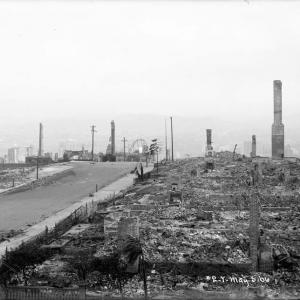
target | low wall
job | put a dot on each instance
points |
(19, 165)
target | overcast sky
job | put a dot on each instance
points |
(81, 58)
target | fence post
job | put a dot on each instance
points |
(254, 229)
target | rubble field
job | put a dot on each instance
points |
(184, 232)
(14, 177)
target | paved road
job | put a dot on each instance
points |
(26, 208)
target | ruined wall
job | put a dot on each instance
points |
(277, 141)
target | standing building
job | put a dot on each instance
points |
(277, 127)
(29, 150)
(13, 155)
(49, 155)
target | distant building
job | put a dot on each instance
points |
(56, 156)
(247, 148)
(263, 149)
(29, 150)
(77, 155)
(22, 155)
(288, 151)
(42, 160)
(18, 154)
(48, 154)
(13, 155)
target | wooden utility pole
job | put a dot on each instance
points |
(157, 160)
(41, 137)
(166, 139)
(254, 228)
(37, 167)
(124, 147)
(93, 133)
(172, 145)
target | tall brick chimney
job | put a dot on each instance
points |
(277, 127)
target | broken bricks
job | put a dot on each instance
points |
(204, 215)
(128, 226)
(175, 192)
(175, 197)
(170, 234)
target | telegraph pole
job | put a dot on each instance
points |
(166, 139)
(37, 167)
(172, 138)
(93, 133)
(41, 140)
(157, 160)
(40, 150)
(124, 141)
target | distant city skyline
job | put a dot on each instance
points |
(189, 134)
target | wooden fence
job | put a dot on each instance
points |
(42, 293)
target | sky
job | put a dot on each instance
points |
(72, 60)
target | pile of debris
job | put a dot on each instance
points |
(191, 224)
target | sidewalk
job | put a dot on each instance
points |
(108, 191)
